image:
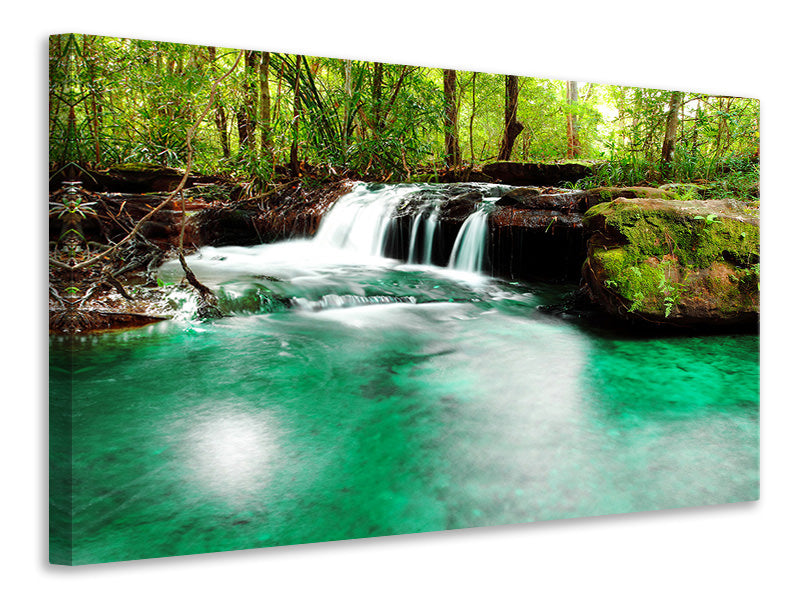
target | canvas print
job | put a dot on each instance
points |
(297, 299)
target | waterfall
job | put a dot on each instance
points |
(467, 254)
(412, 244)
(431, 223)
(360, 220)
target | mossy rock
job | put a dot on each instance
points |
(607, 194)
(685, 190)
(673, 261)
(140, 167)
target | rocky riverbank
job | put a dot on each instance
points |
(640, 254)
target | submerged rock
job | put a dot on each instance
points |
(693, 262)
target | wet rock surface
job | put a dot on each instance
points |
(537, 233)
(651, 258)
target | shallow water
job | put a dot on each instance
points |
(349, 398)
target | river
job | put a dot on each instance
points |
(350, 395)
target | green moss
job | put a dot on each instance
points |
(740, 293)
(138, 167)
(607, 194)
(749, 280)
(694, 242)
(663, 258)
(645, 285)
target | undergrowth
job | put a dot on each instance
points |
(732, 177)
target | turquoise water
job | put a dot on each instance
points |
(347, 401)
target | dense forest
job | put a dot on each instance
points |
(116, 101)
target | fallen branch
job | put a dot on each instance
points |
(205, 291)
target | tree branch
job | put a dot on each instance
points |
(181, 184)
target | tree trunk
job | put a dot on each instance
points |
(668, 148)
(53, 99)
(221, 121)
(220, 117)
(90, 59)
(242, 129)
(573, 140)
(348, 78)
(348, 92)
(452, 153)
(512, 127)
(377, 89)
(245, 116)
(266, 142)
(293, 158)
(472, 121)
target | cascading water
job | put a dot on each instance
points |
(431, 224)
(359, 220)
(468, 250)
(412, 245)
(330, 270)
(423, 232)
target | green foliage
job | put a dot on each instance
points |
(116, 100)
(712, 218)
(717, 143)
(671, 291)
(644, 285)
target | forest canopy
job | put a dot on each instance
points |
(117, 101)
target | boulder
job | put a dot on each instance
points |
(457, 201)
(674, 262)
(521, 196)
(516, 173)
(141, 178)
(545, 198)
(460, 207)
(606, 194)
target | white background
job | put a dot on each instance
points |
(735, 551)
